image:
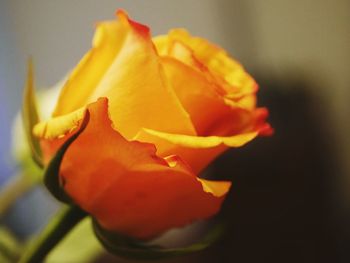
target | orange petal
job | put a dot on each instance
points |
(127, 188)
(209, 111)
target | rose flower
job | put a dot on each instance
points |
(160, 110)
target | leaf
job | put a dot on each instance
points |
(133, 249)
(30, 116)
(51, 175)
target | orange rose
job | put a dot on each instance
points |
(160, 110)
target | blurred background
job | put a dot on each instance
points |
(290, 200)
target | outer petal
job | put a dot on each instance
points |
(127, 188)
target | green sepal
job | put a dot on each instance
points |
(51, 175)
(30, 115)
(127, 247)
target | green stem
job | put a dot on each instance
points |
(59, 226)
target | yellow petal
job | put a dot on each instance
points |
(216, 188)
(162, 44)
(138, 93)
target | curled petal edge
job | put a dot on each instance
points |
(203, 141)
(57, 127)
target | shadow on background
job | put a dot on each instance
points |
(282, 206)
